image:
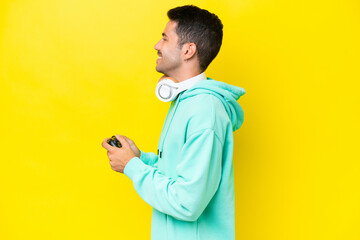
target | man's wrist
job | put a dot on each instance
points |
(132, 166)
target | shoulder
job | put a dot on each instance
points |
(202, 104)
(204, 111)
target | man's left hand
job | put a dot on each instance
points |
(118, 157)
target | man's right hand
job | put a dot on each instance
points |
(133, 147)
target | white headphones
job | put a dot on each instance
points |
(167, 90)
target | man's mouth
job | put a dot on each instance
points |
(159, 58)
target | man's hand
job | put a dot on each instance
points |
(133, 147)
(119, 157)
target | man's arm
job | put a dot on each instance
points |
(149, 158)
(199, 174)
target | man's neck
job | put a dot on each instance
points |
(186, 71)
(184, 75)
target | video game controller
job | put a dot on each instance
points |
(114, 142)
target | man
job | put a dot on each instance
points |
(190, 183)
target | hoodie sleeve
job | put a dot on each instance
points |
(149, 158)
(199, 173)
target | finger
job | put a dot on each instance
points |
(128, 140)
(107, 146)
(104, 144)
(122, 140)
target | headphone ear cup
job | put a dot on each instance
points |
(169, 88)
(166, 90)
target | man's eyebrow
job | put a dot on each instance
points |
(164, 35)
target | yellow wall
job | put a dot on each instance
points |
(75, 72)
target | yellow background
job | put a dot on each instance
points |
(74, 72)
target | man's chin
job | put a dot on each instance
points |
(159, 70)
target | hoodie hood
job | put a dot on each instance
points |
(226, 93)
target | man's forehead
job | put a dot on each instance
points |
(170, 29)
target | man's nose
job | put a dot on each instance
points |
(157, 46)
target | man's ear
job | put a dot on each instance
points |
(189, 50)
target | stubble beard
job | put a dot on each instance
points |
(172, 65)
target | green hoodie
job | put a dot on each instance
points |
(190, 183)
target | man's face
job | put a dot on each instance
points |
(168, 51)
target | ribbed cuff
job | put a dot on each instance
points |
(145, 157)
(133, 166)
(142, 155)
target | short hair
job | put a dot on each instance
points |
(198, 26)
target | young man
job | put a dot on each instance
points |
(190, 182)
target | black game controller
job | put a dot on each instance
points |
(114, 142)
